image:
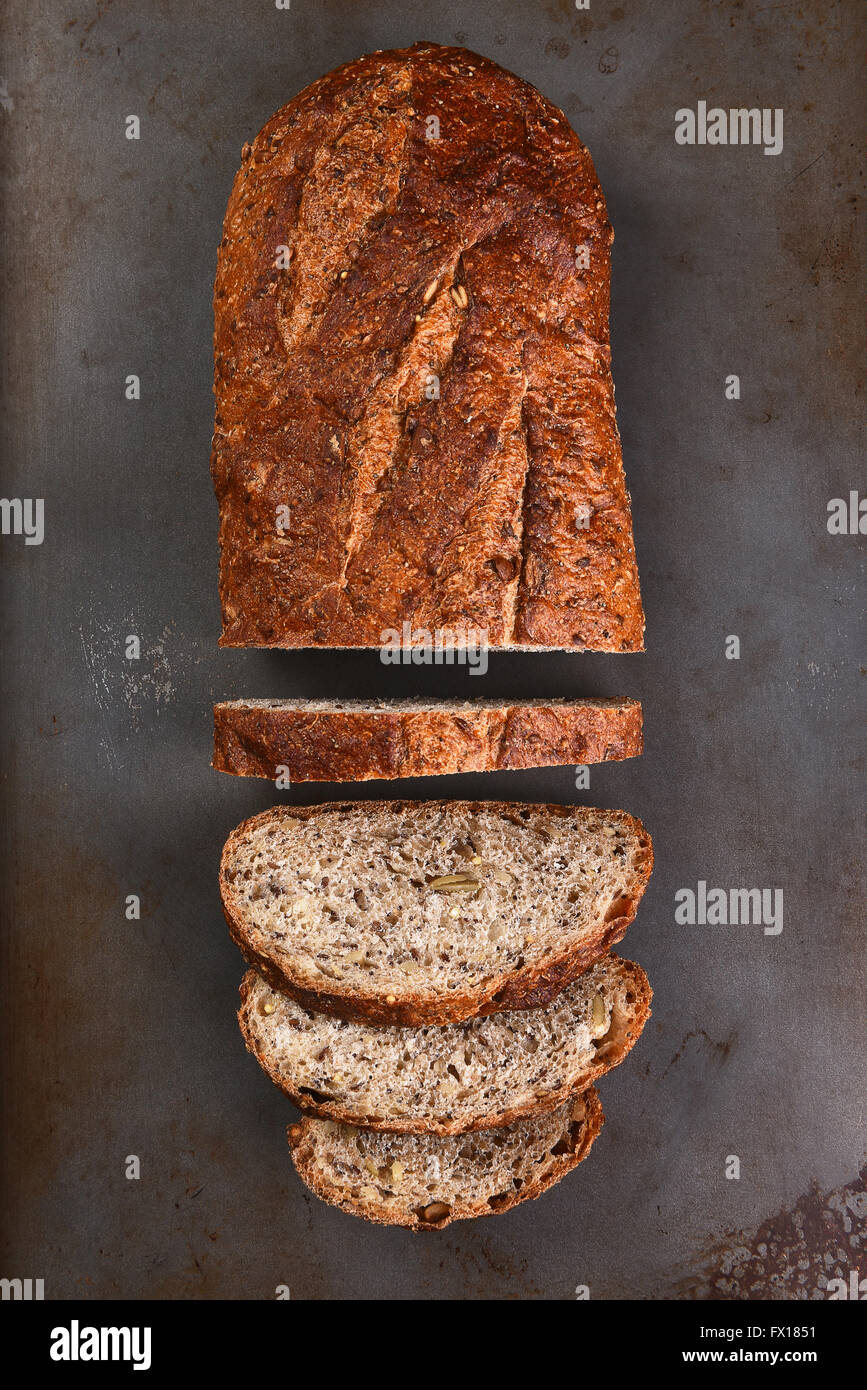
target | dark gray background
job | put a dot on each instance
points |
(119, 1037)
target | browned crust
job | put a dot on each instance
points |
(624, 1034)
(362, 745)
(522, 989)
(580, 1137)
(507, 492)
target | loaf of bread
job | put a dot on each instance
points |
(358, 740)
(479, 1074)
(414, 407)
(427, 1181)
(407, 913)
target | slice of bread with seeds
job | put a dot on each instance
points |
(409, 913)
(426, 1181)
(479, 1074)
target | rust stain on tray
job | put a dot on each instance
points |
(794, 1254)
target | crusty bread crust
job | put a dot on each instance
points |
(360, 259)
(521, 989)
(578, 1139)
(627, 1025)
(358, 745)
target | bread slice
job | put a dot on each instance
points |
(407, 913)
(358, 740)
(427, 1181)
(478, 1074)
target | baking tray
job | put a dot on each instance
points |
(119, 1036)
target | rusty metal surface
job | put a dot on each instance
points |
(119, 1036)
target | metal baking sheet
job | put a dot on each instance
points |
(119, 1035)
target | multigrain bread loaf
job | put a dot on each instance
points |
(414, 406)
(427, 1181)
(358, 740)
(479, 1074)
(407, 913)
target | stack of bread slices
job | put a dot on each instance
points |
(415, 443)
(432, 984)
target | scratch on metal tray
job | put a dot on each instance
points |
(103, 700)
